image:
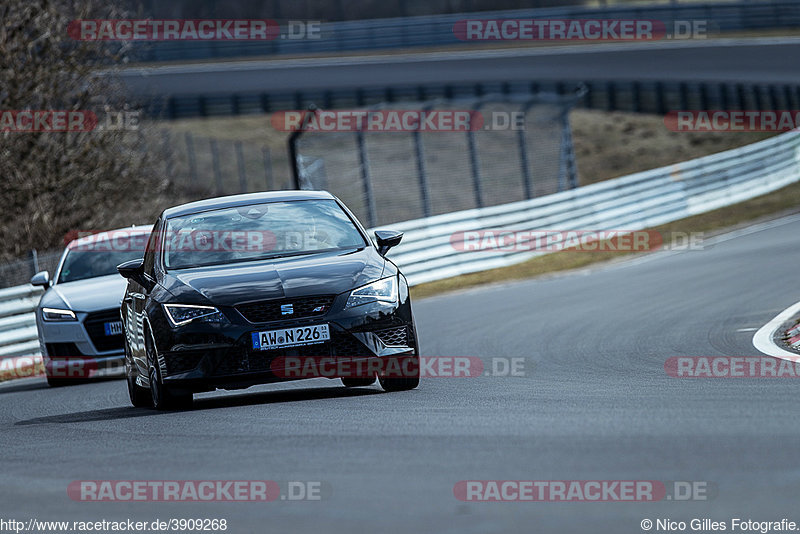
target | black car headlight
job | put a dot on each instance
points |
(58, 314)
(181, 314)
(383, 290)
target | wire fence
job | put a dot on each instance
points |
(520, 147)
(18, 272)
(516, 149)
(209, 165)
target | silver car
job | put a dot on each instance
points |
(78, 316)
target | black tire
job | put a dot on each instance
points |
(402, 383)
(140, 397)
(56, 382)
(161, 396)
(355, 381)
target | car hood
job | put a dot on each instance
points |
(92, 294)
(316, 274)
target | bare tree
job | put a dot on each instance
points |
(54, 182)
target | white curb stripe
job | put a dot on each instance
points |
(763, 338)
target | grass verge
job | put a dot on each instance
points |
(777, 203)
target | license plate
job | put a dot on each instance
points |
(291, 337)
(113, 328)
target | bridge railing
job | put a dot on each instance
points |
(437, 30)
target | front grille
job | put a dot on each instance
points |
(345, 345)
(394, 336)
(63, 350)
(95, 327)
(240, 360)
(183, 361)
(302, 307)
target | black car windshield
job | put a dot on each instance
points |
(257, 232)
(100, 258)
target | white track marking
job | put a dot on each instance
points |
(763, 338)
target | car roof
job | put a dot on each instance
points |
(233, 201)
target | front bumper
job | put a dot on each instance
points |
(82, 367)
(80, 349)
(206, 356)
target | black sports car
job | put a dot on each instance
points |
(251, 289)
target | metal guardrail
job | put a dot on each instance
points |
(610, 95)
(437, 30)
(18, 336)
(634, 202)
(642, 200)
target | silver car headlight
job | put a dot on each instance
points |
(181, 314)
(383, 290)
(58, 314)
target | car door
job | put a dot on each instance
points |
(138, 297)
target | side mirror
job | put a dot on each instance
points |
(42, 278)
(387, 239)
(134, 270)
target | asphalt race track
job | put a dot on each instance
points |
(594, 404)
(754, 60)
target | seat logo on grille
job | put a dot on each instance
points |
(287, 309)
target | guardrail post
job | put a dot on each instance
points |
(34, 262)
(611, 97)
(422, 174)
(522, 142)
(240, 167)
(723, 96)
(567, 175)
(703, 96)
(661, 105)
(636, 89)
(474, 161)
(365, 179)
(191, 158)
(683, 90)
(759, 94)
(741, 97)
(215, 164)
(773, 97)
(268, 169)
(169, 164)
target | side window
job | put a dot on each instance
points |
(151, 251)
